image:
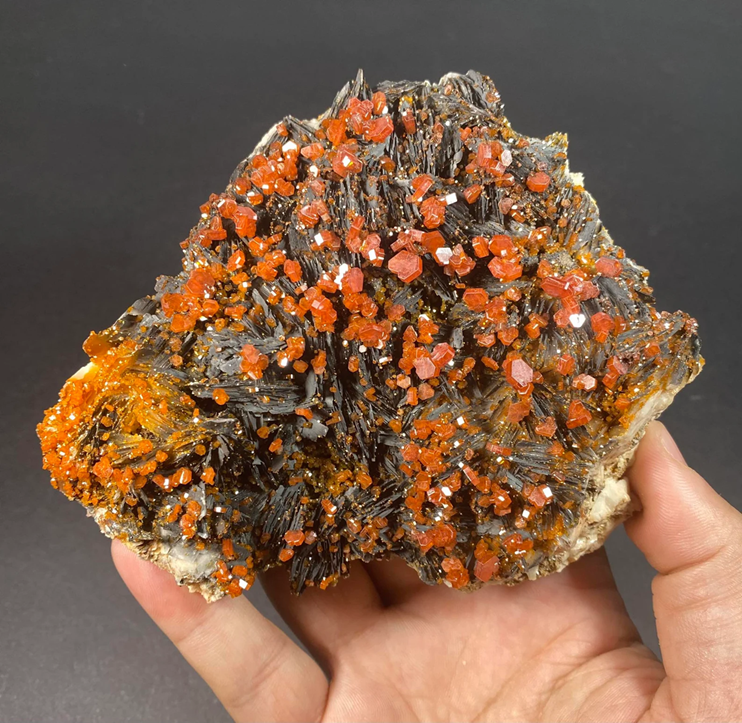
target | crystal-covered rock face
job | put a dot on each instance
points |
(401, 330)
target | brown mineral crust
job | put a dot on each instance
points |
(401, 330)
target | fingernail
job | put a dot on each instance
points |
(669, 444)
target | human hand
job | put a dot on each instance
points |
(560, 648)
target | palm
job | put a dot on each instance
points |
(541, 650)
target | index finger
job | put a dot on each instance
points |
(254, 669)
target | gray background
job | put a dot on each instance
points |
(118, 120)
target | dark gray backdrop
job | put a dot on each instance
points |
(118, 120)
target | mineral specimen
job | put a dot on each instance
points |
(401, 330)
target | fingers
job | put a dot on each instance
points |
(252, 667)
(395, 580)
(692, 537)
(683, 520)
(326, 620)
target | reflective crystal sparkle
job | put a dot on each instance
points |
(401, 330)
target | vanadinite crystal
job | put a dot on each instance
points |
(401, 330)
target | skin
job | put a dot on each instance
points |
(387, 647)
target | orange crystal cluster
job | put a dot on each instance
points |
(401, 330)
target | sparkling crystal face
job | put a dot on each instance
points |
(401, 330)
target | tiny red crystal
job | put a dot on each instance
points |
(406, 265)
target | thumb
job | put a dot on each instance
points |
(693, 538)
